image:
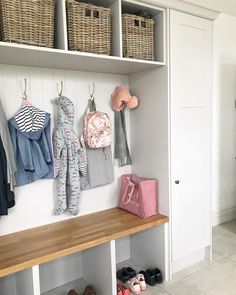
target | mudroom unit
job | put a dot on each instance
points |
(169, 135)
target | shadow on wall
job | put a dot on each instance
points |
(224, 138)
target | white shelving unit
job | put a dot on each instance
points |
(23, 55)
(62, 58)
(55, 269)
(150, 138)
(96, 266)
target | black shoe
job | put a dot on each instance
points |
(158, 275)
(149, 277)
(131, 272)
(122, 275)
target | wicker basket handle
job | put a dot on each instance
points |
(92, 13)
(140, 23)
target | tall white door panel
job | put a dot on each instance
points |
(190, 80)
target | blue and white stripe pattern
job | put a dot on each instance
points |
(30, 119)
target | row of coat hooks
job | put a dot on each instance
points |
(59, 91)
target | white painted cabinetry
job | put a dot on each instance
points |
(171, 136)
(170, 139)
(190, 135)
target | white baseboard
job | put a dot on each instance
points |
(188, 260)
(223, 216)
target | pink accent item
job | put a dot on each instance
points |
(142, 283)
(26, 102)
(119, 291)
(138, 195)
(121, 98)
(97, 130)
(133, 285)
(122, 289)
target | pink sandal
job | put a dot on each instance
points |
(119, 291)
(122, 289)
(141, 279)
(134, 286)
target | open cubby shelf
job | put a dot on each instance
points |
(78, 285)
(62, 58)
(42, 244)
(54, 258)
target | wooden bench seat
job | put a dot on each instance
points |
(35, 246)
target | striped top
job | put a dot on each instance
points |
(30, 119)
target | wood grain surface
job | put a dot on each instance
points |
(27, 248)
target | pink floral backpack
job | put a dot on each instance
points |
(97, 128)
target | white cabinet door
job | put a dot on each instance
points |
(190, 80)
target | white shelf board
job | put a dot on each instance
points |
(78, 285)
(24, 55)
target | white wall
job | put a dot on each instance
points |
(228, 6)
(224, 137)
(35, 202)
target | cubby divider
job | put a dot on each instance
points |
(116, 29)
(98, 267)
(21, 283)
(61, 39)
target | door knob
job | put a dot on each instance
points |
(177, 181)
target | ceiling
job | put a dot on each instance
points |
(227, 6)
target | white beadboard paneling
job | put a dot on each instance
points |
(35, 202)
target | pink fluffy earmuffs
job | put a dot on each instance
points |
(121, 98)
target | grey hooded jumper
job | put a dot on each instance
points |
(70, 159)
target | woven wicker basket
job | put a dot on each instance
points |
(138, 37)
(89, 27)
(27, 22)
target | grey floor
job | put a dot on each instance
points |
(208, 278)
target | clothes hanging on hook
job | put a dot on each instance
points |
(100, 165)
(30, 131)
(7, 144)
(70, 159)
(7, 197)
(7, 166)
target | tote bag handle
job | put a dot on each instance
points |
(131, 185)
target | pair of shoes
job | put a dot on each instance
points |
(88, 291)
(72, 292)
(122, 289)
(137, 284)
(125, 274)
(152, 276)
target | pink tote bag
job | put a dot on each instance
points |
(138, 195)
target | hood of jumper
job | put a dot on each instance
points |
(30, 122)
(65, 111)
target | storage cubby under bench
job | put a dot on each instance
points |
(53, 258)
